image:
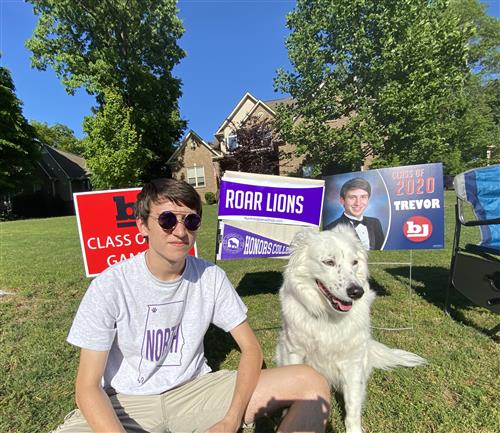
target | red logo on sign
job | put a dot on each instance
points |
(108, 232)
(417, 228)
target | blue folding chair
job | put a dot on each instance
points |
(475, 268)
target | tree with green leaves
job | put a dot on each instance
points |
(479, 130)
(59, 136)
(113, 150)
(128, 46)
(392, 73)
(19, 151)
(484, 43)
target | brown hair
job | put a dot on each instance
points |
(356, 183)
(160, 190)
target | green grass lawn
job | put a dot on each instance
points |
(458, 391)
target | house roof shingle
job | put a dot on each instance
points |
(72, 165)
(273, 103)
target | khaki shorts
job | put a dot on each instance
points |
(193, 407)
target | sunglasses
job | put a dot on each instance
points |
(168, 221)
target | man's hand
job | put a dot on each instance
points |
(226, 425)
(247, 377)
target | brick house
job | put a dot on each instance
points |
(196, 162)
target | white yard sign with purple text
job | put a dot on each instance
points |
(260, 214)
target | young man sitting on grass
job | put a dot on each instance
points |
(140, 327)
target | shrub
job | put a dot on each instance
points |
(37, 205)
(210, 198)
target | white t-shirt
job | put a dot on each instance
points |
(152, 329)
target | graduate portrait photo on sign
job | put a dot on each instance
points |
(354, 197)
(359, 200)
(394, 208)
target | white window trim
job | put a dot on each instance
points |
(199, 172)
(231, 136)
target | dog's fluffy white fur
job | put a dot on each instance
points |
(325, 300)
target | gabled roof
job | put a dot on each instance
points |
(184, 142)
(254, 109)
(269, 105)
(73, 166)
(246, 96)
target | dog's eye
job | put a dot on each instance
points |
(329, 262)
(355, 262)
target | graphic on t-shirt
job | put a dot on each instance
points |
(163, 339)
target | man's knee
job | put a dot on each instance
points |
(313, 383)
(313, 401)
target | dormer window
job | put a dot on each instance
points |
(232, 142)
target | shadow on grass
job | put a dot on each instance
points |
(218, 344)
(269, 417)
(270, 282)
(431, 285)
(377, 288)
(256, 283)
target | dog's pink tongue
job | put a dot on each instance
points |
(342, 306)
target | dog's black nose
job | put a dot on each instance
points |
(355, 292)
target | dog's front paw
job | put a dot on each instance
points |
(354, 429)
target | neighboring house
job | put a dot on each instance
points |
(196, 162)
(66, 173)
(59, 175)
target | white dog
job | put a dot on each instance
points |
(325, 301)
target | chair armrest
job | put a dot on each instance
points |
(480, 223)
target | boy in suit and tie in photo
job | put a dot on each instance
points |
(354, 196)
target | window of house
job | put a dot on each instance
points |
(196, 176)
(37, 187)
(307, 170)
(267, 137)
(232, 141)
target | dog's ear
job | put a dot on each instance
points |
(302, 238)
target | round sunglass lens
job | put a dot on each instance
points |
(167, 220)
(192, 221)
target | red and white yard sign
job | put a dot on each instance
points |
(107, 228)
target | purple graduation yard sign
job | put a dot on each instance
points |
(406, 203)
(260, 214)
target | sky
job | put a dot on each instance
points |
(232, 47)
